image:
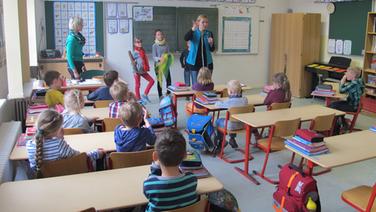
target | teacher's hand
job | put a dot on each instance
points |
(83, 68)
(76, 74)
(211, 41)
(194, 25)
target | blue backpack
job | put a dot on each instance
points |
(167, 112)
(200, 130)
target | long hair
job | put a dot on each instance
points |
(49, 122)
(204, 76)
(284, 83)
(73, 100)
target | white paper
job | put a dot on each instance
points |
(143, 13)
(332, 46)
(122, 10)
(111, 10)
(123, 26)
(347, 47)
(339, 46)
(112, 26)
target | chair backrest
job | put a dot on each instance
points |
(199, 206)
(102, 103)
(323, 123)
(224, 93)
(74, 165)
(286, 128)
(73, 131)
(129, 159)
(278, 106)
(109, 124)
(89, 74)
(89, 210)
(239, 110)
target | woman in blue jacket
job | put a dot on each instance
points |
(201, 46)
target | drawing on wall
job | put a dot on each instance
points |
(332, 46)
(63, 11)
(124, 26)
(122, 10)
(347, 47)
(339, 46)
(236, 34)
(112, 26)
(143, 13)
(111, 10)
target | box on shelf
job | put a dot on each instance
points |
(371, 79)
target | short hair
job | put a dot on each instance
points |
(204, 76)
(119, 91)
(356, 70)
(157, 30)
(50, 76)
(202, 16)
(137, 38)
(234, 87)
(170, 147)
(109, 77)
(74, 22)
(73, 100)
(131, 114)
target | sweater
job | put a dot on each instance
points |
(201, 87)
(194, 56)
(102, 93)
(74, 44)
(158, 51)
(132, 140)
(275, 96)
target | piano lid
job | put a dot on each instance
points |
(341, 62)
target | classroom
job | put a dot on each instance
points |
(188, 105)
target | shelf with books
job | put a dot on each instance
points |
(370, 85)
(371, 33)
(370, 71)
(371, 94)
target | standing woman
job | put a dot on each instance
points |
(201, 46)
(159, 48)
(74, 44)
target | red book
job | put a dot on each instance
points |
(309, 135)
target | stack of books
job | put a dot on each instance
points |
(179, 88)
(373, 128)
(28, 135)
(36, 109)
(209, 98)
(323, 90)
(193, 164)
(307, 142)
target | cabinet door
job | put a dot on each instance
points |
(277, 61)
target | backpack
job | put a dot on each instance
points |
(296, 191)
(200, 130)
(167, 111)
(223, 201)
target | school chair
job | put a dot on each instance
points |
(119, 160)
(276, 142)
(352, 121)
(109, 124)
(74, 165)
(102, 103)
(199, 206)
(89, 210)
(361, 198)
(89, 74)
(191, 108)
(275, 106)
(224, 93)
(72, 131)
(224, 131)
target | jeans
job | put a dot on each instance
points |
(194, 76)
(187, 77)
(168, 83)
(79, 65)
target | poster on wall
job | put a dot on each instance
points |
(124, 26)
(111, 10)
(332, 46)
(122, 10)
(112, 26)
(347, 47)
(143, 13)
(339, 46)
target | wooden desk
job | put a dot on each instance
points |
(80, 142)
(87, 85)
(254, 99)
(104, 190)
(336, 96)
(343, 149)
(268, 118)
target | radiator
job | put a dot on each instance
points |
(21, 109)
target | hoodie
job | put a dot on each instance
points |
(132, 140)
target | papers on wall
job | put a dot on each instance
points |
(339, 46)
(111, 10)
(236, 34)
(142, 13)
(124, 26)
(332, 46)
(112, 26)
(117, 18)
(122, 10)
(347, 47)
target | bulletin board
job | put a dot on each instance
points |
(236, 34)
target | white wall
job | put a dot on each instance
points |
(3, 67)
(40, 25)
(31, 27)
(250, 69)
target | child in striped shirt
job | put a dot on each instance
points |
(49, 143)
(121, 94)
(172, 189)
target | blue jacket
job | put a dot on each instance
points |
(102, 93)
(134, 139)
(193, 48)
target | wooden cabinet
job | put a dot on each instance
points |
(295, 42)
(60, 65)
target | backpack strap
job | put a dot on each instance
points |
(280, 209)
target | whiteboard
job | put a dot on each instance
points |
(236, 34)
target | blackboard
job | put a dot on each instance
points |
(349, 21)
(175, 23)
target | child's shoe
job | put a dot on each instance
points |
(233, 143)
(145, 98)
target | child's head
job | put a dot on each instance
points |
(119, 91)
(138, 42)
(280, 81)
(109, 77)
(74, 100)
(48, 125)
(353, 73)
(204, 76)
(170, 148)
(52, 79)
(158, 34)
(234, 88)
(131, 114)
(203, 22)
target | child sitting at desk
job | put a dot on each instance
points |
(279, 91)
(74, 102)
(54, 81)
(103, 93)
(235, 99)
(354, 87)
(120, 93)
(167, 188)
(49, 144)
(129, 136)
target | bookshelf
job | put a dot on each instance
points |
(369, 67)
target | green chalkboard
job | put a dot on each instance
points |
(175, 23)
(349, 21)
(50, 32)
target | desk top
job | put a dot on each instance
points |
(102, 190)
(345, 149)
(59, 60)
(268, 118)
(254, 99)
(89, 84)
(217, 88)
(81, 142)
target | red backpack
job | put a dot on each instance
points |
(296, 191)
